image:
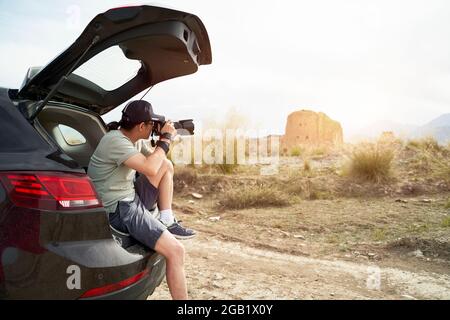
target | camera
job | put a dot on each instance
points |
(184, 127)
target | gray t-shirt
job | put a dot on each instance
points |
(112, 179)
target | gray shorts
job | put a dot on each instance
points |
(134, 216)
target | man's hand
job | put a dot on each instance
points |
(169, 128)
(151, 164)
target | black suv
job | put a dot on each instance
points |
(55, 239)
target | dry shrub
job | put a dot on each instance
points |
(306, 165)
(446, 222)
(447, 205)
(428, 144)
(296, 151)
(321, 151)
(254, 197)
(370, 162)
(305, 188)
(314, 151)
(184, 176)
(431, 157)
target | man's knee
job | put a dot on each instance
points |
(171, 249)
(179, 250)
(169, 165)
(176, 253)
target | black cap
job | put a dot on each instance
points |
(140, 111)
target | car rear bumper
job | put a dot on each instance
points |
(50, 275)
(142, 289)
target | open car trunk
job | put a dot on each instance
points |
(77, 132)
(162, 43)
(165, 43)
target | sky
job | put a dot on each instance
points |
(358, 61)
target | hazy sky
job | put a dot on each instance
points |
(358, 61)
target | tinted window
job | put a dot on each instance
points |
(71, 136)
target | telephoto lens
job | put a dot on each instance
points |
(185, 127)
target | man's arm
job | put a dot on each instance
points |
(149, 165)
(143, 147)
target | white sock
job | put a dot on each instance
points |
(166, 216)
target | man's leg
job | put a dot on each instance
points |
(173, 251)
(163, 180)
(146, 229)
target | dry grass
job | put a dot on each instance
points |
(184, 176)
(446, 222)
(306, 165)
(313, 151)
(254, 197)
(296, 152)
(430, 157)
(319, 152)
(447, 205)
(379, 235)
(227, 168)
(441, 166)
(410, 172)
(429, 144)
(295, 188)
(370, 162)
(303, 188)
(329, 210)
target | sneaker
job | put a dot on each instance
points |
(180, 232)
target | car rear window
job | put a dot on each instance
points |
(109, 69)
(16, 134)
(71, 136)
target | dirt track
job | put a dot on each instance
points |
(218, 269)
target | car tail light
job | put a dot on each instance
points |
(115, 286)
(50, 190)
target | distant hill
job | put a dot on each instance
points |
(441, 121)
(400, 129)
(438, 128)
(375, 129)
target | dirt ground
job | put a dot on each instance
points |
(218, 269)
(234, 259)
(350, 240)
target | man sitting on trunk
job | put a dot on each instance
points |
(128, 200)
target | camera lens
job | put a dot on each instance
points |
(185, 125)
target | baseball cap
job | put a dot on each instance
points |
(140, 111)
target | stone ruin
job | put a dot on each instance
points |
(307, 127)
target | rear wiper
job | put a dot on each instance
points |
(61, 81)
